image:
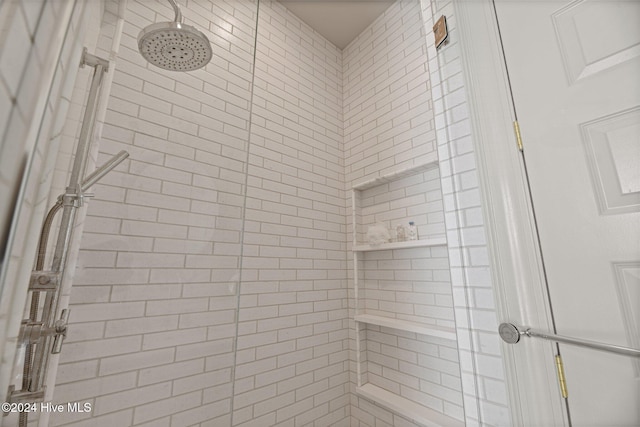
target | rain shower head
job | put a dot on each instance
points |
(173, 45)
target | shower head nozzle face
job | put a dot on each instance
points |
(174, 46)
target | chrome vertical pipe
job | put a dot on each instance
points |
(71, 200)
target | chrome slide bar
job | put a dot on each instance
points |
(511, 334)
(42, 333)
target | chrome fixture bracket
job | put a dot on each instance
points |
(24, 396)
(44, 281)
(75, 199)
(93, 61)
(35, 332)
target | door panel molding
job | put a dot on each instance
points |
(628, 289)
(515, 258)
(610, 152)
(581, 54)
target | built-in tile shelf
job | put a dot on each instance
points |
(402, 245)
(405, 325)
(401, 197)
(396, 175)
(418, 413)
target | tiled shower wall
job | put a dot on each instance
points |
(154, 301)
(292, 360)
(412, 283)
(389, 126)
(153, 307)
(41, 45)
(483, 375)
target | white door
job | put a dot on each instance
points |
(575, 74)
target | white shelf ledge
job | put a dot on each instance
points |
(407, 408)
(396, 175)
(405, 325)
(441, 241)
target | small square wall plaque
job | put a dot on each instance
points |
(440, 31)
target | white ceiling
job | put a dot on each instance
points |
(339, 21)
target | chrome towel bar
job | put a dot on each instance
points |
(511, 334)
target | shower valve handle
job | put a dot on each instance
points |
(34, 333)
(60, 327)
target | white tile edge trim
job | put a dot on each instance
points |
(441, 241)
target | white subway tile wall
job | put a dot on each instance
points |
(388, 127)
(153, 307)
(17, 52)
(408, 284)
(388, 123)
(36, 51)
(170, 242)
(419, 368)
(483, 378)
(415, 198)
(292, 364)
(163, 269)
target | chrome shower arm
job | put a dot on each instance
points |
(176, 9)
(97, 175)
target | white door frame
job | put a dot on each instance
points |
(515, 259)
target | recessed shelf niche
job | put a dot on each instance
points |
(406, 350)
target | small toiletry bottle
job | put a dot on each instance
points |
(401, 233)
(413, 231)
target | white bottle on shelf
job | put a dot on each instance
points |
(412, 231)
